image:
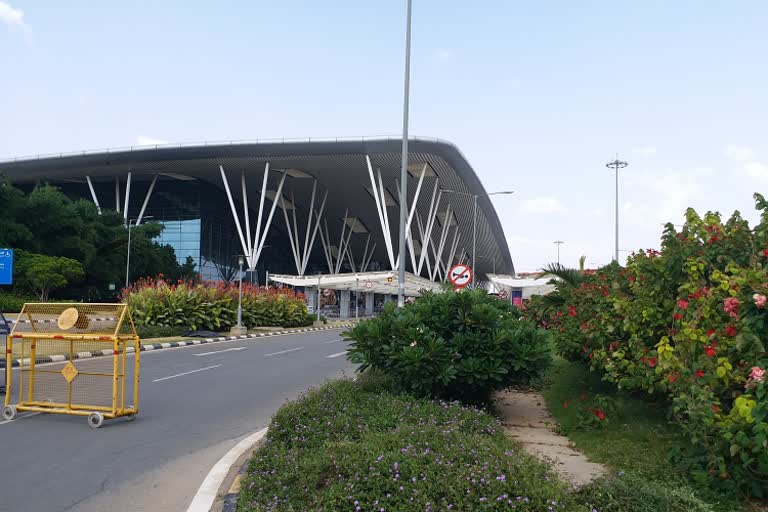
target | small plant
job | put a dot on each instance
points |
(455, 345)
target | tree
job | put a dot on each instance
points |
(41, 273)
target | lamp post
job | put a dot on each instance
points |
(404, 165)
(474, 222)
(558, 243)
(616, 165)
(128, 255)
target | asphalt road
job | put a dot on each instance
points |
(196, 403)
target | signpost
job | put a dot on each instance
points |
(6, 266)
(460, 276)
(5, 330)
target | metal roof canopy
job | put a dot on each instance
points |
(359, 282)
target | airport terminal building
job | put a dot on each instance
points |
(292, 208)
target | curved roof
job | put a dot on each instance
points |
(338, 164)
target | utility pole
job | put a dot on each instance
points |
(558, 243)
(616, 165)
(404, 165)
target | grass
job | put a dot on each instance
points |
(354, 446)
(635, 442)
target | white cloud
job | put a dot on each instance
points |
(738, 153)
(443, 54)
(143, 140)
(543, 205)
(14, 18)
(645, 151)
(756, 169)
(11, 16)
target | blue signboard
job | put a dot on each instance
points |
(6, 266)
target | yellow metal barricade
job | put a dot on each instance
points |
(80, 359)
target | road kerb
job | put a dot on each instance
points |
(209, 489)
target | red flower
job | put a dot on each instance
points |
(683, 304)
(600, 414)
(677, 316)
(652, 362)
(673, 377)
(631, 279)
(699, 373)
(565, 404)
(613, 346)
(765, 253)
(709, 350)
(710, 333)
(571, 311)
(591, 355)
(715, 409)
(730, 331)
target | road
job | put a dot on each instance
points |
(196, 403)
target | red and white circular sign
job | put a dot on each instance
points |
(503, 294)
(460, 275)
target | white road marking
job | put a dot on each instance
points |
(336, 355)
(206, 494)
(283, 351)
(333, 341)
(219, 351)
(20, 417)
(187, 373)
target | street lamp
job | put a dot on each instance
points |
(474, 221)
(558, 243)
(128, 256)
(404, 164)
(616, 165)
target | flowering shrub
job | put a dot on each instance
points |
(343, 447)
(456, 345)
(212, 306)
(688, 323)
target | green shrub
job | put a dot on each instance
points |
(159, 331)
(687, 323)
(12, 303)
(208, 306)
(453, 345)
(633, 494)
(344, 447)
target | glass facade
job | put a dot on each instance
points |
(197, 223)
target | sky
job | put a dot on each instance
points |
(537, 95)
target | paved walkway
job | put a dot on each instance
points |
(526, 418)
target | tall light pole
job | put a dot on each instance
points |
(474, 221)
(616, 165)
(404, 164)
(128, 256)
(558, 243)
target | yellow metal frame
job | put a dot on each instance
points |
(119, 339)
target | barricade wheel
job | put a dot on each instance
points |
(9, 412)
(95, 419)
(130, 417)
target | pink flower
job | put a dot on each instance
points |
(757, 374)
(760, 300)
(731, 306)
(683, 304)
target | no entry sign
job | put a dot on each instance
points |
(460, 275)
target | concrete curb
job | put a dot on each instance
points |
(206, 497)
(173, 344)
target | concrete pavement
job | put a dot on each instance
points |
(196, 403)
